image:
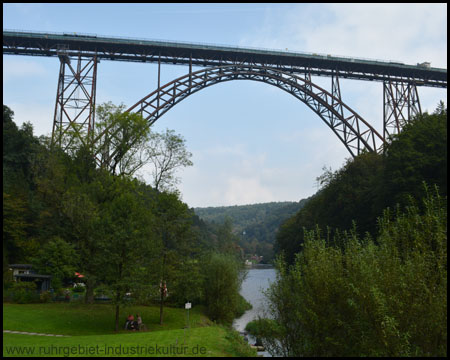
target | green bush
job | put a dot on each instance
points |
(238, 345)
(368, 298)
(22, 292)
(242, 306)
(222, 285)
(257, 327)
(45, 297)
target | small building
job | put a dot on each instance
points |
(25, 272)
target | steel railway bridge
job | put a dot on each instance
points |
(80, 54)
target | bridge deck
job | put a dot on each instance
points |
(140, 50)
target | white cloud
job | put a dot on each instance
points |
(407, 32)
(386, 31)
(236, 174)
(231, 175)
(246, 190)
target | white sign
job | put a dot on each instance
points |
(187, 305)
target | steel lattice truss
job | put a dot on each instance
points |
(355, 133)
(290, 71)
(75, 102)
(401, 104)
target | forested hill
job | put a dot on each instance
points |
(256, 225)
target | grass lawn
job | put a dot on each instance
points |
(91, 332)
(82, 319)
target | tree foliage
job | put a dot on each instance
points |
(254, 226)
(350, 194)
(64, 214)
(418, 153)
(127, 243)
(20, 151)
(120, 139)
(362, 269)
(58, 258)
(369, 298)
(222, 285)
(359, 191)
(167, 152)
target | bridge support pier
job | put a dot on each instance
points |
(337, 101)
(74, 115)
(400, 104)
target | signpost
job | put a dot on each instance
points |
(187, 306)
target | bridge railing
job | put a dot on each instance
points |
(214, 47)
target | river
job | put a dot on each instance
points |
(256, 280)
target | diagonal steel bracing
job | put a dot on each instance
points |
(400, 104)
(74, 115)
(75, 101)
(355, 133)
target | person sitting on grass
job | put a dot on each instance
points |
(130, 324)
(140, 324)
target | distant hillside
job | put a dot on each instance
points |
(256, 225)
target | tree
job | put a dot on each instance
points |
(167, 152)
(187, 279)
(57, 258)
(382, 297)
(20, 149)
(127, 243)
(14, 229)
(124, 143)
(82, 207)
(350, 195)
(120, 139)
(71, 192)
(222, 284)
(226, 241)
(173, 225)
(418, 153)
(367, 184)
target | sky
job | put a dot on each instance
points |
(250, 142)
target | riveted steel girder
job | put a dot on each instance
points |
(206, 55)
(355, 133)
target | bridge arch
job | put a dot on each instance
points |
(354, 132)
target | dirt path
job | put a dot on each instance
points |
(31, 333)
